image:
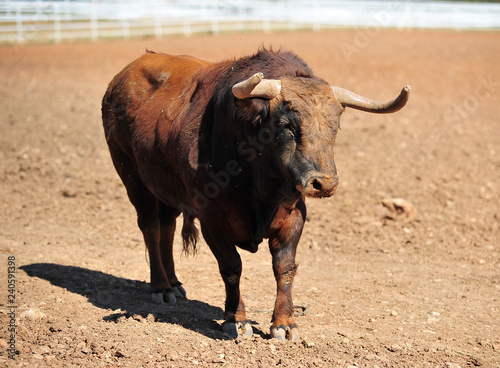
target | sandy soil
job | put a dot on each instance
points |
(382, 290)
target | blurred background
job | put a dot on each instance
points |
(65, 20)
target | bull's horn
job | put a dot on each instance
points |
(257, 87)
(350, 99)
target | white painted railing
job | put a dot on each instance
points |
(55, 21)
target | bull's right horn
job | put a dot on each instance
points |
(351, 99)
(257, 87)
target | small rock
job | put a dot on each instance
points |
(121, 353)
(371, 357)
(33, 315)
(219, 359)
(49, 358)
(394, 313)
(138, 317)
(150, 318)
(308, 343)
(346, 341)
(43, 349)
(395, 348)
(317, 362)
(38, 356)
(68, 193)
(399, 207)
(173, 356)
(96, 348)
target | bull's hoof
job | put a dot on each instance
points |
(163, 297)
(179, 291)
(234, 330)
(283, 333)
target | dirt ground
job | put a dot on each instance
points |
(382, 290)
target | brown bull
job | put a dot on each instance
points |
(218, 142)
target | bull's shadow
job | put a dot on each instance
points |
(130, 297)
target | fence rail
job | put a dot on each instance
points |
(55, 21)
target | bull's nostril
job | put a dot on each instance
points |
(317, 184)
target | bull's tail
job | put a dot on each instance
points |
(190, 234)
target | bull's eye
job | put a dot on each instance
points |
(287, 132)
(294, 130)
(285, 125)
(287, 129)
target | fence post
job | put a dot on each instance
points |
(239, 25)
(57, 24)
(215, 26)
(94, 33)
(266, 23)
(157, 21)
(215, 19)
(19, 24)
(317, 21)
(126, 29)
(187, 27)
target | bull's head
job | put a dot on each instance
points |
(305, 114)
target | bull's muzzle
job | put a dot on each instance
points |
(319, 186)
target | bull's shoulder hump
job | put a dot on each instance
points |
(161, 67)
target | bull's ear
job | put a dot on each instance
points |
(251, 111)
(351, 99)
(257, 87)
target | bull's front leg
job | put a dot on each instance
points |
(235, 323)
(283, 246)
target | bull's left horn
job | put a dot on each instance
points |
(257, 87)
(351, 99)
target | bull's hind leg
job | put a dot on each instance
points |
(147, 207)
(167, 218)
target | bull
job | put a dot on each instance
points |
(240, 152)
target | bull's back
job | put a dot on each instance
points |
(150, 85)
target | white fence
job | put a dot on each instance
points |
(55, 21)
